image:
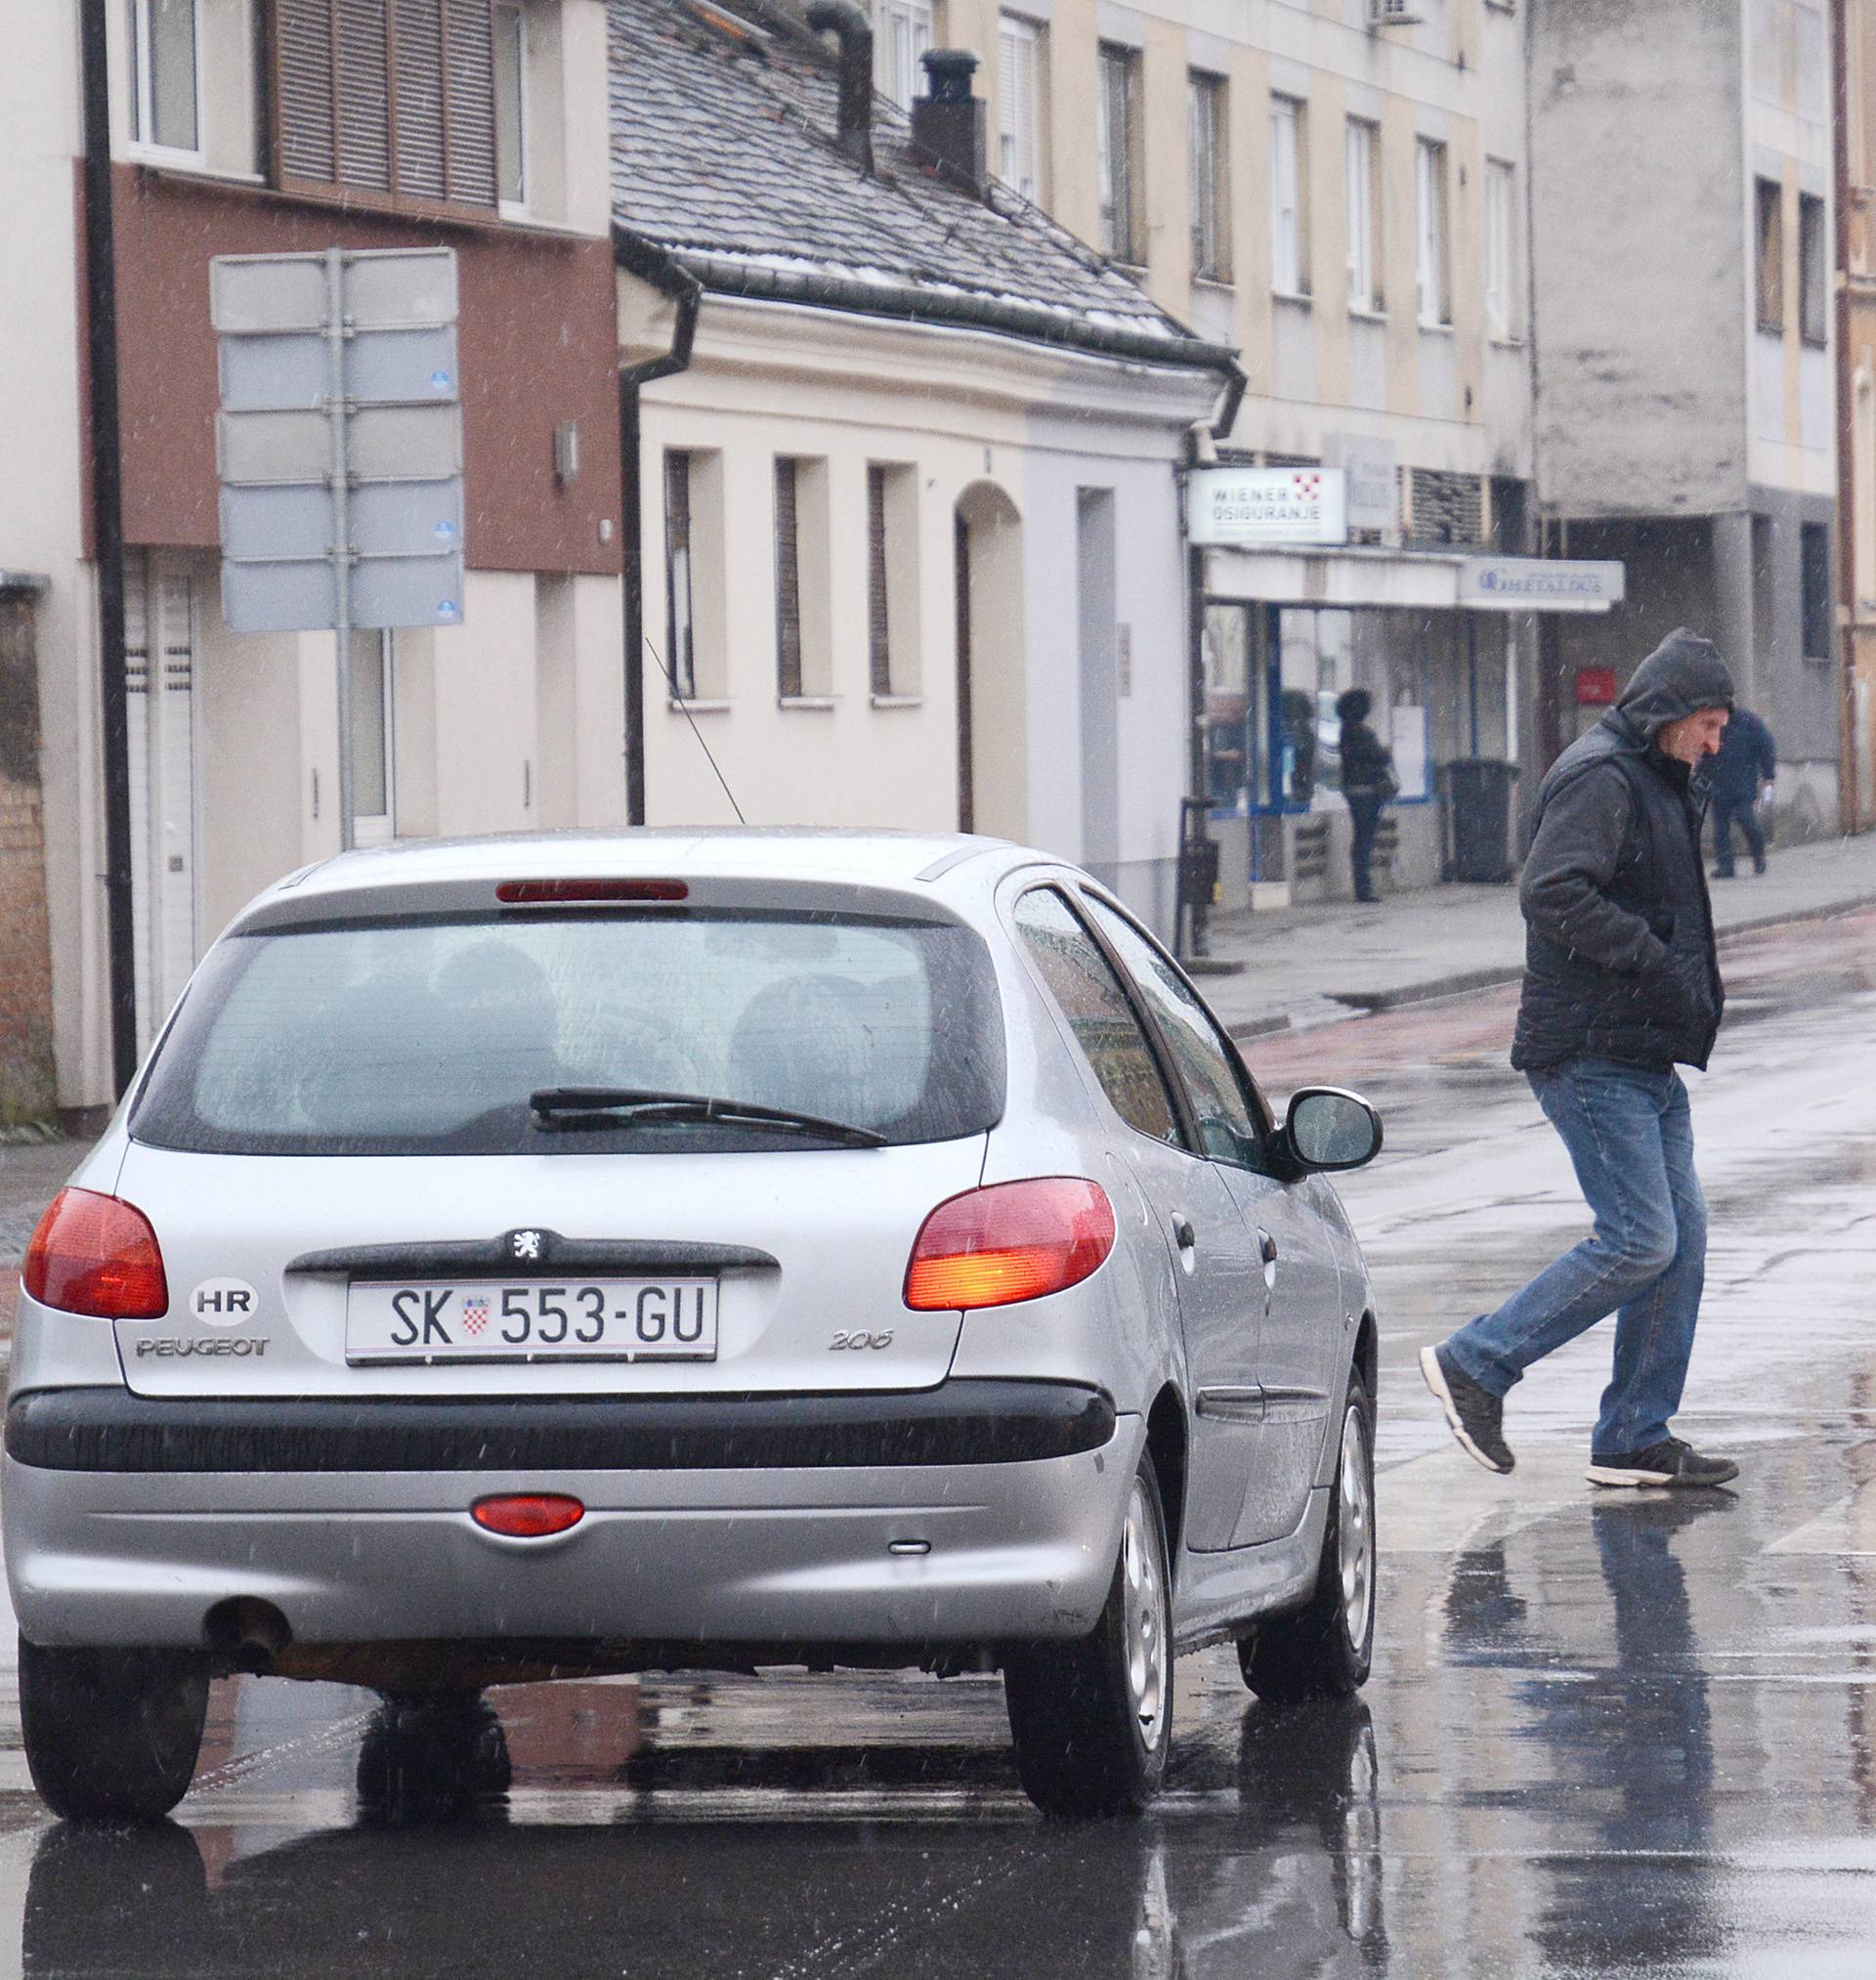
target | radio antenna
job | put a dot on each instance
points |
(695, 730)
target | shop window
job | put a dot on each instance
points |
(1768, 199)
(1289, 214)
(1021, 136)
(1813, 555)
(391, 98)
(1208, 128)
(1363, 148)
(1813, 272)
(1118, 140)
(164, 75)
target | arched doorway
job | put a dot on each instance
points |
(993, 762)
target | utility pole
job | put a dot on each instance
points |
(108, 540)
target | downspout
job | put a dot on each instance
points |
(638, 257)
(1849, 749)
(108, 539)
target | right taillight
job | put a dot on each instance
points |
(96, 1255)
(1012, 1241)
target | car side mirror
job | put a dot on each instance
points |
(1329, 1129)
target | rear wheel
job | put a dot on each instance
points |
(1325, 1650)
(431, 1757)
(1093, 1720)
(111, 1734)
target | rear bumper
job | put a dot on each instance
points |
(735, 1551)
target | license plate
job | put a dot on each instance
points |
(614, 1320)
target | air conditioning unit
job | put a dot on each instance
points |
(1394, 14)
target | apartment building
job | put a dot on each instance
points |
(1682, 216)
(251, 126)
(1337, 189)
(909, 531)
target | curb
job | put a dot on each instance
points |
(1434, 989)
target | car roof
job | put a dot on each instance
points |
(843, 856)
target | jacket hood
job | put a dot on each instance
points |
(1683, 674)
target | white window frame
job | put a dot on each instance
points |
(901, 31)
(1118, 167)
(1431, 235)
(513, 209)
(1289, 222)
(1020, 144)
(1209, 143)
(142, 94)
(1361, 148)
(1501, 250)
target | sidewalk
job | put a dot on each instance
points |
(1307, 966)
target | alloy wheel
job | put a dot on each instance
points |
(1355, 1536)
(1143, 1579)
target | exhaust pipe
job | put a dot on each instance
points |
(247, 1634)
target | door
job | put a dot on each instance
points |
(1208, 1246)
(1286, 1259)
(159, 655)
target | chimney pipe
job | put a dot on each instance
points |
(851, 28)
(948, 128)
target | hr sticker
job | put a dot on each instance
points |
(223, 1302)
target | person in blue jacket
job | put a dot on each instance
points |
(1741, 776)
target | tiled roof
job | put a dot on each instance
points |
(724, 155)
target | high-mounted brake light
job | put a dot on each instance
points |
(551, 892)
(1012, 1241)
(96, 1255)
(528, 1515)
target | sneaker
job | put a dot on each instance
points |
(1476, 1417)
(1667, 1463)
(1759, 867)
(1721, 873)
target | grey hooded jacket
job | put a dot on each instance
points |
(1619, 958)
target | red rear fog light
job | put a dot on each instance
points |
(528, 1515)
(96, 1255)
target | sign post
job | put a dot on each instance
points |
(340, 445)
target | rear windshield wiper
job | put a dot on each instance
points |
(563, 1107)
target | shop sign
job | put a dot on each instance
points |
(1540, 585)
(1253, 508)
(1596, 687)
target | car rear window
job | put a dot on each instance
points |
(428, 1036)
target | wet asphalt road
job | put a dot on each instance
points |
(1607, 1735)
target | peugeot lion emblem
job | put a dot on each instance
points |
(525, 1243)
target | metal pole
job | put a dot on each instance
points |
(108, 544)
(336, 412)
(1850, 743)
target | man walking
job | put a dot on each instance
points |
(1741, 774)
(1621, 983)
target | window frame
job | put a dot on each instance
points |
(1817, 600)
(915, 17)
(789, 672)
(1019, 31)
(1432, 235)
(1362, 139)
(680, 659)
(1502, 318)
(1119, 171)
(376, 828)
(140, 98)
(517, 208)
(1769, 255)
(1208, 173)
(1813, 272)
(1289, 127)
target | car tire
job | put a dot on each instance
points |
(1326, 1649)
(111, 1734)
(431, 1757)
(1092, 1719)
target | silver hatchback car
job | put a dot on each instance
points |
(556, 1254)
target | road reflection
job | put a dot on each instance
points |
(452, 1859)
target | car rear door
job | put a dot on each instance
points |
(1290, 1358)
(1209, 1251)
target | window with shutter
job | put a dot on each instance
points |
(391, 98)
(1020, 114)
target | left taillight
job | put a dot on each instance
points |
(1009, 1242)
(96, 1255)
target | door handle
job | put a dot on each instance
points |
(1183, 1236)
(1267, 1252)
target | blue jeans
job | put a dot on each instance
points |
(1630, 1136)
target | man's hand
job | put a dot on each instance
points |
(1764, 795)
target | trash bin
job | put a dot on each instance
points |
(1479, 811)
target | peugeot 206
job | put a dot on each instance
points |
(566, 1255)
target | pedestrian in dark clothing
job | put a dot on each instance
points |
(1739, 776)
(1621, 983)
(1367, 783)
